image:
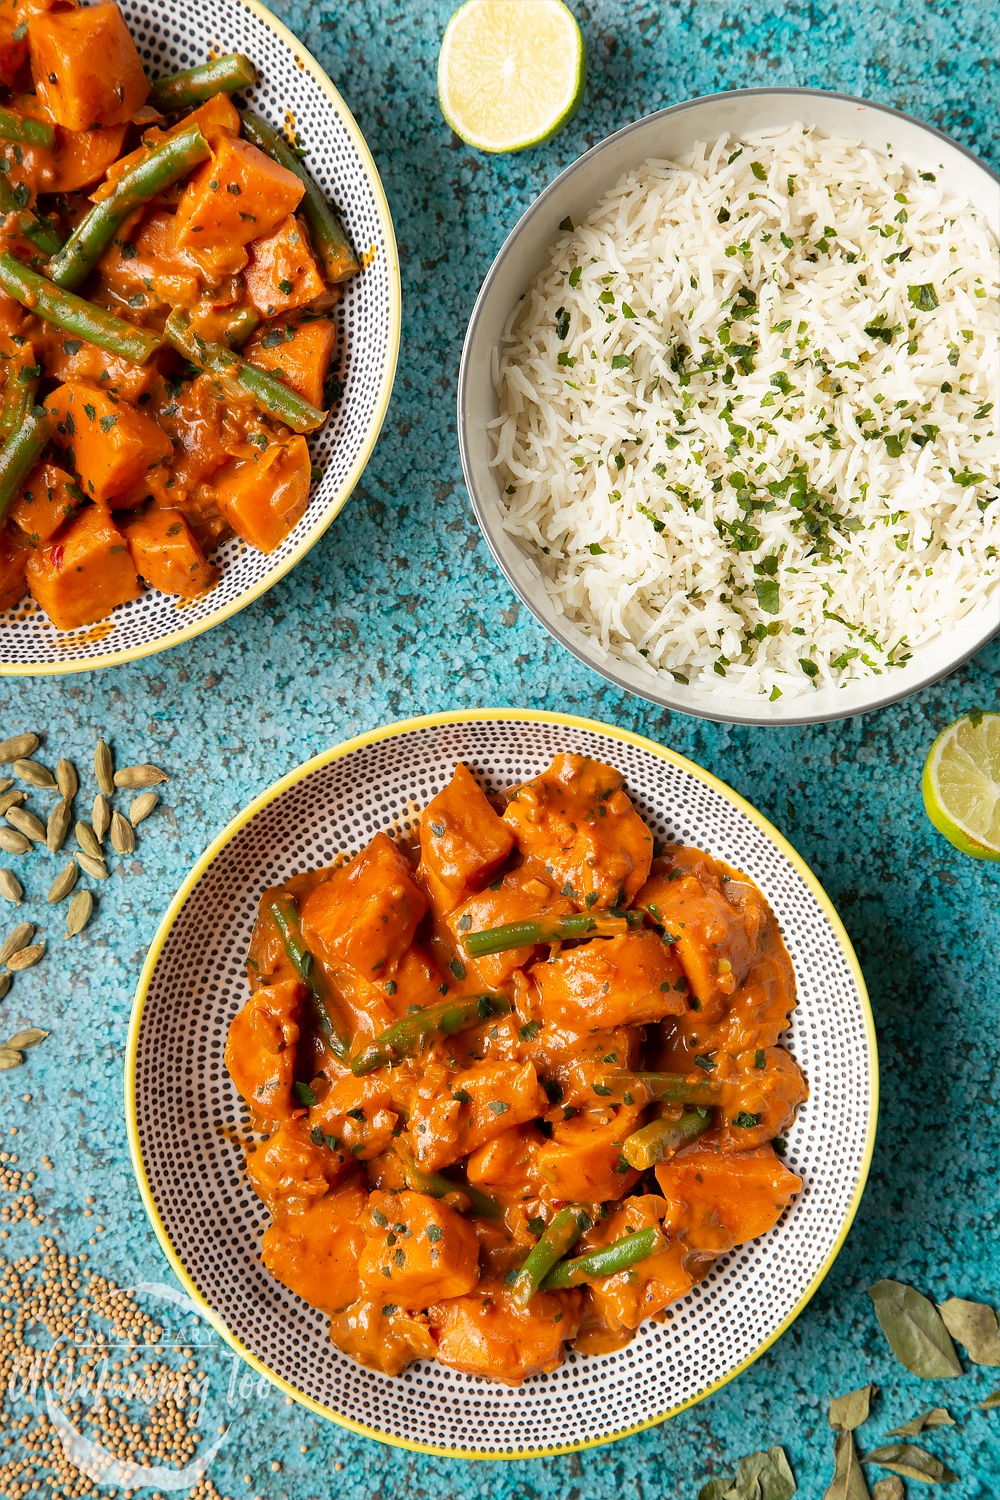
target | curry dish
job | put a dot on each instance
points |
(515, 1081)
(167, 273)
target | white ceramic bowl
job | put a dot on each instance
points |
(527, 250)
(292, 85)
(185, 1123)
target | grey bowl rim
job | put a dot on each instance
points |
(665, 699)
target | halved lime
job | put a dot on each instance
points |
(961, 784)
(511, 72)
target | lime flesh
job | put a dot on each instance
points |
(961, 784)
(511, 72)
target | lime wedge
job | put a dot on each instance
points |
(961, 784)
(511, 72)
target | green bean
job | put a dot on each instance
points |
(284, 911)
(661, 1138)
(268, 394)
(607, 1262)
(20, 453)
(436, 1185)
(332, 244)
(19, 392)
(549, 929)
(55, 305)
(24, 129)
(243, 323)
(223, 75)
(163, 166)
(560, 1236)
(663, 1088)
(412, 1034)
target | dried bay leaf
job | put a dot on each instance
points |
(915, 1331)
(848, 1481)
(760, 1476)
(938, 1416)
(888, 1489)
(975, 1327)
(848, 1412)
(911, 1462)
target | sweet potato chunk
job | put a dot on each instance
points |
(13, 49)
(150, 261)
(486, 1333)
(462, 841)
(620, 981)
(237, 196)
(107, 442)
(86, 67)
(260, 1048)
(479, 1104)
(577, 821)
(583, 1161)
(365, 915)
(294, 1167)
(380, 1335)
(166, 553)
(264, 495)
(626, 1299)
(282, 274)
(719, 1201)
(13, 562)
(712, 941)
(85, 574)
(418, 1250)
(299, 353)
(358, 1112)
(764, 1085)
(316, 1253)
(522, 895)
(50, 498)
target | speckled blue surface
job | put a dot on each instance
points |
(400, 610)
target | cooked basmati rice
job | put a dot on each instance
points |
(746, 414)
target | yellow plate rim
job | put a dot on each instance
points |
(337, 752)
(340, 499)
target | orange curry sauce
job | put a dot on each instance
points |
(533, 1107)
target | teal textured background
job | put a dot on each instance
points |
(399, 610)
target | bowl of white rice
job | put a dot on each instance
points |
(728, 406)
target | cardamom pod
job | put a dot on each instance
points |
(95, 867)
(29, 1037)
(63, 883)
(5, 782)
(35, 772)
(18, 747)
(27, 823)
(122, 836)
(11, 888)
(26, 958)
(141, 808)
(57, 826)
(12, 799)
(67, 779)
(79, 912)
(134, 777)
(87, 839)
(13, 842)
(9, 1058)
(100, 818)
(104, 768)
(4, 984)
(16, 940)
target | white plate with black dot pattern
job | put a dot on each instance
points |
(292, 91)
(185, 1119)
